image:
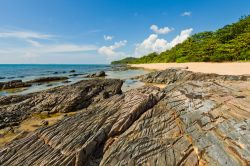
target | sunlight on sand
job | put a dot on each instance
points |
(234, 68)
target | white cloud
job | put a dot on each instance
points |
(111, 50)
(67, 48)
(48, 49)
(164, 30)
(28, 36)
(182, 37)
(155, 44)
(186, 14)
(24, 35)
(107, 37)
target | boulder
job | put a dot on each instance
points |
(97, 74)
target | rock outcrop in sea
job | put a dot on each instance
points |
(198, 119)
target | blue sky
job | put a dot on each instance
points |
(99, 31)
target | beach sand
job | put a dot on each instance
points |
(234, 68)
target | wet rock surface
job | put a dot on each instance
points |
(14, 109)
(47, 79)
(13, 84)
(196, 120)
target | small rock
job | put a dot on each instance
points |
(8, 129)
(72, 71)
(45, 122)
(67, 81)
(100, 74)
(105, 95)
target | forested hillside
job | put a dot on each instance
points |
(230, 43)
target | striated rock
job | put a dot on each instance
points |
(193, 121)
(79, 140)
(47, 79)
(196, 123)
(13, 84)
(175, 75)
(13, 109)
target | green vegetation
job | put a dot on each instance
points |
(124, 61)
(230, 43)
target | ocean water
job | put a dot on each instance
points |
(29, 71)
(26, 72)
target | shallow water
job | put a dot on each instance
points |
(29, 72)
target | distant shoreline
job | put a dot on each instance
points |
(227, 68)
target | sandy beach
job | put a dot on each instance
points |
(234, 68)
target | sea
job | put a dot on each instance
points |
(26, 72)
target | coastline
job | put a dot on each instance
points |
(91, 112)
(233, 68)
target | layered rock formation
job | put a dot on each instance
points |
(13, 84)
(20, 84)
(14, 109)
(198, 121)
(47, 79)
(175, 75)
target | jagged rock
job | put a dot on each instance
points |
(13, 109)
(79, 140)
(175, 75)
(13, 84)
(190, 122)
(47, 79)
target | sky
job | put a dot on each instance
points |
(100, 31)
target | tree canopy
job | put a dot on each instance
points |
(230, 43)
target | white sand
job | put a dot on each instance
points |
(234, 68)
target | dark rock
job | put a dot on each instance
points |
(2, 78)
(44, 122)
(105, 95)
(97, 74)
(72, 71)
(74, 75)
(100, 74)
(67, 81)
(47, 79)
(13, 109)
(13, 84)
(55, 72)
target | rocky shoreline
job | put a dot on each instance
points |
(198, 119)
